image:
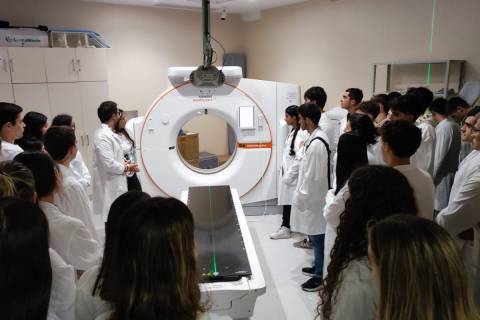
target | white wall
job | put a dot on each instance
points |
(145, 41)
(334, 43)
(319, 42)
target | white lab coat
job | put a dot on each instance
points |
(70, 238)
(62, 294)
(423, 189)
(109, 179)
(357, 294)
(465, 149)
(424, 157)
(334, 207)
(288, 181)
(309, 198)
(72, 199)
(80, 170)
(462, 212)
(9, 151)
(333, 122)
(447, 149)
(88, 307)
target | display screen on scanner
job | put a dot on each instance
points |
(219, 243)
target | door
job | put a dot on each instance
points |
(27, 65)
(92, 94)
(32, 97)
(60, 65)
(6, 93)
(91, 64)
(4, 67)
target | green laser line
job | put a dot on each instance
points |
(430, 45)
(213, 236)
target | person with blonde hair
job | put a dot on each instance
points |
(418, 270)
(16, 180)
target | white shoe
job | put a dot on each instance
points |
(282, 233)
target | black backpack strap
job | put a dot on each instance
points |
(325, 143)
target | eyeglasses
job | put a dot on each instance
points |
(471, 126)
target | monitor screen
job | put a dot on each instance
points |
(246, 117)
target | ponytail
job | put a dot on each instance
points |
(292, 111)
(292, 144)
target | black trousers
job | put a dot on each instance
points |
(286, 216)
(133, 183)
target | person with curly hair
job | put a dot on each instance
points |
(376, 192)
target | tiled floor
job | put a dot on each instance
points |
(281, 265)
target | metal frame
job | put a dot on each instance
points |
(447, 63)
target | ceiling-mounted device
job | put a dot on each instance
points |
(207, 75)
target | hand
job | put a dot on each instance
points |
(132, 167)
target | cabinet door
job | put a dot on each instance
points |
(91, 64)
(6, 93)
(4, 67)
(60, 65)
(27, 65)
(32, 97)
(65, 98)
(92, 94)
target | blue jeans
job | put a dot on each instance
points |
(318, 246)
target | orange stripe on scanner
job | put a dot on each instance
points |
(255, 145)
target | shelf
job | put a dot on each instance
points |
(408, 74)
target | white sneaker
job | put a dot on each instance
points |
(282, 233)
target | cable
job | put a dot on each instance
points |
(223, 48)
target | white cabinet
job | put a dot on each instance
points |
(91, 64)
(6, 93)
(57, 80)
(81, 101)
(65, 98)
(92, 94)
(27, 65)
(61, 65)
(32, 97)
(4, 66)
(72, 65)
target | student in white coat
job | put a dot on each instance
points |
(407, 108)
(459, 109)
(287, 181)
(36, 283)
(312, 187)
(78, 164)
(109, 165)
(461, 216)
(151, 273)
(352, 154)
(89, 302)
(329, 122)
(447, 150)
(401, 139)
(349, 102)
(11, 128)
(71, 198)
(348, 291)
(408, 278)
(69, 236)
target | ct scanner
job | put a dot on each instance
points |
(253, 108)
